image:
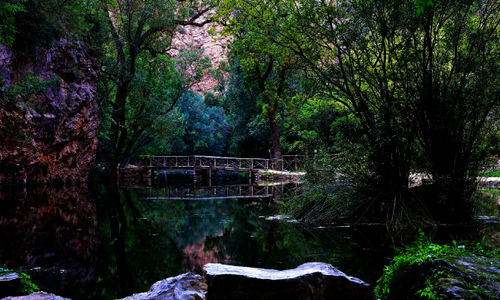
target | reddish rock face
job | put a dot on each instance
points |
(214, 47)
(57, 137)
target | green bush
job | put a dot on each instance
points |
(422, 270)
(27, 286)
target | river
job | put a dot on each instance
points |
(93, 243)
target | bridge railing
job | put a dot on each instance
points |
(201, 161)
(292, 163)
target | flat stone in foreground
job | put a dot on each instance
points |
(9, 284)
(37, 296)
(311, 281)
(186, 286)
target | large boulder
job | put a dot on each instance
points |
(56, 137)
(308, 281)
(186, 286)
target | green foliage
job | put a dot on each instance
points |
(419, 90)
(27, 286)
(17, 101)
(416, 270)
(267, 65)
(249, 135)
(8, 9)
(41, 22)
(491, 174)
(22, 93)
(205, 128)
(423, 5)
(141, 86)
(307, 124)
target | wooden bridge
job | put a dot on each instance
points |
(216, 163)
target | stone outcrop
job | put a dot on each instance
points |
(186, 286)
(56, 138)
(214, 47)
(312, 281)
(308, 281)
(9, 284)
(37, 296)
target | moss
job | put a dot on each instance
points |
(27, 286)
(426, 270)
(491, 173)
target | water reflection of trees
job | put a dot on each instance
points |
(124, 243)
(148, 240)
(52, 231)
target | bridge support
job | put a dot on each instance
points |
(135, 176)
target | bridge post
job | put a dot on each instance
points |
(194, 169)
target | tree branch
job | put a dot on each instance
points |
(192, 21)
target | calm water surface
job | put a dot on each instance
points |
(95, 243)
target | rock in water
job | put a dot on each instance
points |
(37, 296)
(186, 286)
(9, 284)
(308, 281)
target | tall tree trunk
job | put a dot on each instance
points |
(118, 131)
(275, 135)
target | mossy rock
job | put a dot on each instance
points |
(15, 283)
(471, 277)
(475, 277)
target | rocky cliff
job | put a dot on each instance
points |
(214, 47)
(56, 138)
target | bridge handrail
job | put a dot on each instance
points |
(203, 156)
(286, 163)
(209, 161)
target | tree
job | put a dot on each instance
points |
(264, 62)
(205, 128)
(8, 10)
(249, 134)
(421, 87)
(157, 87)
(138, 27)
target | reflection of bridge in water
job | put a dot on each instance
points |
(232, 191)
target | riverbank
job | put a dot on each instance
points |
(272, 175)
